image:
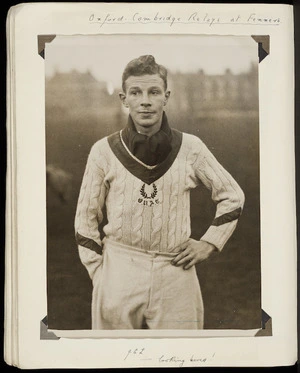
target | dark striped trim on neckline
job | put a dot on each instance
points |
(148, 176)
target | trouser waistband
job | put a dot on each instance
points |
(121, 248)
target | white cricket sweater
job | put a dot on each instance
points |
(149, 207)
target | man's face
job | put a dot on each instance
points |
(145, 97)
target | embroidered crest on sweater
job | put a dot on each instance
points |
(149, 196)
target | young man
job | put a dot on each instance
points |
(143, 270)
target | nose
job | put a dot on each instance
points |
(145, 100)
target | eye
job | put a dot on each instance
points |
(134, 93)
(155, 92)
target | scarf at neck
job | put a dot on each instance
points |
(151, 150)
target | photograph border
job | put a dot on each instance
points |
(263, 50)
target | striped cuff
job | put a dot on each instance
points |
(219, 235)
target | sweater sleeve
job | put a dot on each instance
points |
(225, 192)
(89, 211)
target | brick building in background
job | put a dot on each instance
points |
(214, 95)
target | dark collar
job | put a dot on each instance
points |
(142, 172)
(153, 149)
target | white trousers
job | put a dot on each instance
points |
(134, 289)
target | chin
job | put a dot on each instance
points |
(146, 123)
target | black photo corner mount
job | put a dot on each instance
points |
(44, 333)
(42, 40)
(266, 325)
(263, 45)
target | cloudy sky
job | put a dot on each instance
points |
(105, 56)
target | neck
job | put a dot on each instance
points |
(148, 131)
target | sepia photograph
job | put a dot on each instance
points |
(153, 182)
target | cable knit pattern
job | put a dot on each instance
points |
(80, 198)
(135, 218)
(224, 188)
(174, 187)
(93, 207)
(91, 198)
(183, 209)
(185, 228)
(119, 192)
(157, 222)
(226, 193)
(101, 203)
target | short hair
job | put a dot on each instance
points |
(144, 65)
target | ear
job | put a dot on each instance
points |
(167, 95)
(122, 96)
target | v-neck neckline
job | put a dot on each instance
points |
(139, 169)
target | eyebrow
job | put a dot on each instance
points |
(153, 87)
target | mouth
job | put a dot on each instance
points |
(146, 112)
